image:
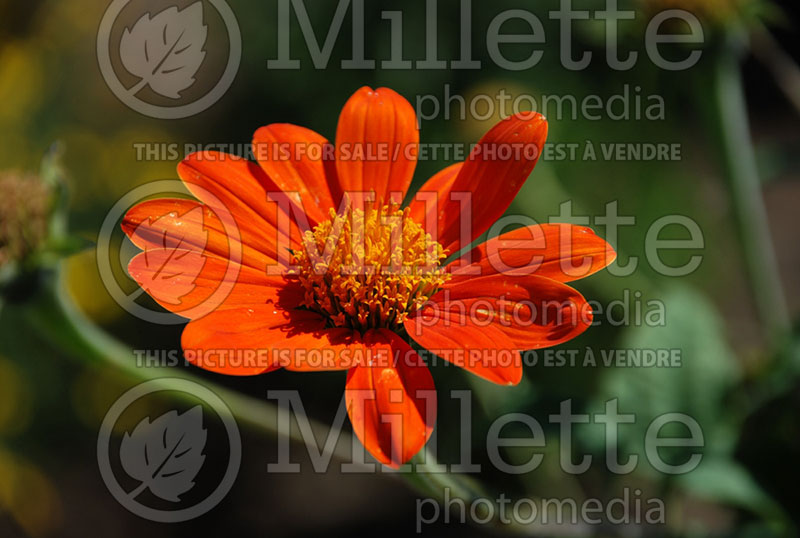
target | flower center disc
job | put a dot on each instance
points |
(368, 269)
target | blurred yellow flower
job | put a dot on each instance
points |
(29, 496)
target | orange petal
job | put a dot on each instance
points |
(486, 183)
(486, 352)
(192, 284)
(392, 401)
(424, 207)
(230, 184)
(376, 144)
(490, 318)
(172, 223)
(296, 160)
(561, 252)
(254, 339)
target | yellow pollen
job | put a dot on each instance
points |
(368, 269)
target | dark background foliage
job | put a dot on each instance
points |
(735, 380)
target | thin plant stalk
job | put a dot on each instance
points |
(53, 313)
(750, 214)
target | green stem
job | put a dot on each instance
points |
(55, 316)
(747, 199)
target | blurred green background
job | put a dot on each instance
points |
(739, 373)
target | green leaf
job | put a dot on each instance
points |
(697, 387)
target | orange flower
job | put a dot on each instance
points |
(322, 269)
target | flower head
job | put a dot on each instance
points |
(24, 216)
(331, 272)
(383, 268)
(26, 207)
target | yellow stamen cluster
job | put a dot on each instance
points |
(370, 268)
